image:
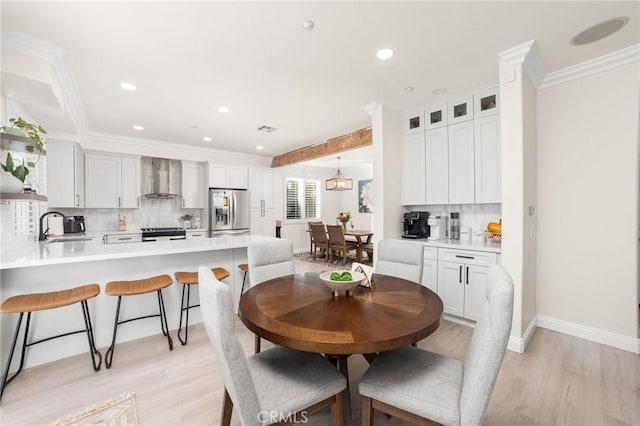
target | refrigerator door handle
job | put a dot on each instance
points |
(232, 210)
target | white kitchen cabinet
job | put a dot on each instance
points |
(193, 186)
(263, 222)
(261, 189)
(460, 109)
(413, 121)
(437, 166)
(461, 164)
(261, 202)
(462, 280)
(414, 170)
(436, 115)
(231, 177)
(486, 102)
(111, 180)
(430, 269)
(487, 159)
(65, 175)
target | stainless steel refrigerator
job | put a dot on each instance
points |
(228, 211)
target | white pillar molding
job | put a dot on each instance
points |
(516, 66)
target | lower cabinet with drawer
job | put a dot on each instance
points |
(462, 280)
(430, 269)
(122, 238)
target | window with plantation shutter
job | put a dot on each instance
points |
(302, 199)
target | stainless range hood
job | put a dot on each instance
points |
(161, 178)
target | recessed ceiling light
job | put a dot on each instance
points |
(308, 25)
(439, 91)
(195, 126)
(223, 109)
(598, 31)
(206, 139)
(128, 86)
(384, 54)
(136, 127)
(408, 89)
(259, 147)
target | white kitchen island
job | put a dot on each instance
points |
(37, 267)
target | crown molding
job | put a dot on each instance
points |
(107, 138)
(56, 57)
(607, 62)
(370, 108)
(527, 55)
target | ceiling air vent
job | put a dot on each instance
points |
(266, 129)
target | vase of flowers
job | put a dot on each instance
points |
(344, 218)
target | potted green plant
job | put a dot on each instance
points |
(20, 127)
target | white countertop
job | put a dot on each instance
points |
(487, 246)
(32, 253)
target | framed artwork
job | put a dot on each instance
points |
(365, 196)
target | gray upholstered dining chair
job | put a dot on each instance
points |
(268, 260)
(416, 384)
(273, 385)
(402, 259)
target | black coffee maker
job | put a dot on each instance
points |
(414, 225)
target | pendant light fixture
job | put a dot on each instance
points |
(338, 182)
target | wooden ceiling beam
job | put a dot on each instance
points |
(358, 139)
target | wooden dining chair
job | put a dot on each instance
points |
(415, 385)
(319, 232)
(338, 244)
(277, 385)
(268, 260)
(402, 259)
(367, 247)
(312, 240)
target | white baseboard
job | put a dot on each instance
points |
(608, 338)
(300, 250)
(519, 344)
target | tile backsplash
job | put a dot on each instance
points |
(473, 216)
(151, 213)
(19, 221)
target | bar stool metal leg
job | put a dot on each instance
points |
(182, 309)
(108, 357)
(92, 345)
(163, 320)
(5, 377)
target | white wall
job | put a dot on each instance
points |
(588, 201)
(331, 203)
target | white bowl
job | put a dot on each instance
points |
(342, 285)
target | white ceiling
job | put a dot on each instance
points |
(189, 58)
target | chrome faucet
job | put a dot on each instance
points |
(42, 235)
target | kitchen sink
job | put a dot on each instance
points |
(66, 239)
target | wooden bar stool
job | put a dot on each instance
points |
(133, 288)
(187, 279)
(244, 268)
(44, 301)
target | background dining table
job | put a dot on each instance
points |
(299, 311)
(359, 234)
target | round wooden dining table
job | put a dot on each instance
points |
(299, 311)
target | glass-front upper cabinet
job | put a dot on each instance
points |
(413, 121)
(486, 102)
(460, 109)
(436, 115)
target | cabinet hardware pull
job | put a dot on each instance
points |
(124, 239)
(77, 200)
(119, 204)
(467, 275)
(460, 275)
(183, 202)
(464, 257)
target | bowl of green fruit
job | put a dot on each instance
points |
(342, 280)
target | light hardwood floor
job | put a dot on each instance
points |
(560, 380)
